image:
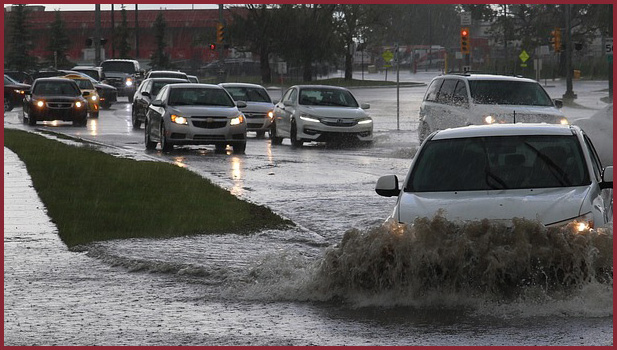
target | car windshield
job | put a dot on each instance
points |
(9, 81)
(199, 97)
(118, 66)
(56, 88)
(158, 85)
(248, 94)
(508, 93)
(327, 97)
(84, 84)
(499, 162)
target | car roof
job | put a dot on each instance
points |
(505, 130)
(86, 67)
(199, 85)
(180, 80)
(59, 79)
(241, 85)
(475, 76)
(75, 76)
(320, 87)
(166, 71)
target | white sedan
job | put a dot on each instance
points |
(549, 173)
(320, 113)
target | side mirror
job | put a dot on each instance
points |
(158, 103)
(558, 103)
(365, 106)
(146, 93)
(607, 178)
(387, 186)
(241, 104)
(85, 93)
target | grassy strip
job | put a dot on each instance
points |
(93, 196)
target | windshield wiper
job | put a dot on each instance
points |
(558, 173)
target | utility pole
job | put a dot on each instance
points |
(97, 35)
(220, 50)
(569, 96)
(610, 62)
(113, 33)
(136, 35)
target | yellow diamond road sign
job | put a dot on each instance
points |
(387, 56)
(523, 56)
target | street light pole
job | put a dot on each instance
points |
(569, 96)
(97, 35)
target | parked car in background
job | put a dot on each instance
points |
(55, 99)
(146, 92)
(167, 74)
(95, 73)
(259, 110)
(320, 113)
(454, 100)
(545, 172)
(123, 74)
(85, 84)
(195, 114)
(14, 93)
(193, 78)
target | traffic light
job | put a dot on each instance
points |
(465, 47)
(220, 33)
(212, 46)
(556, 39)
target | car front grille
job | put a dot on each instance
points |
(59, 105)
(339, 122)
(209, 122)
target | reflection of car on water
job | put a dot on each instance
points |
(544, 172)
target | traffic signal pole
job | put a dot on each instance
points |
(220, 45)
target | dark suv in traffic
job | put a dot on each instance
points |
(124, 75)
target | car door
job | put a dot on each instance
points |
(155, 114)
(602, 198)
(284, 110)
(142, 101)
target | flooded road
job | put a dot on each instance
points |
(275, 287)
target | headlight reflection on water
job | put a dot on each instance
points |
(237, 176)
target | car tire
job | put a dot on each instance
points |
(293, 135)
(130, 97)
(220, 148)
(240, 147)
(81, 121)
(8, 105)
(94, 115)
(150, 145)
(275, 140)
(31, 120)
(105, 105)
(260, 134)
(166, 146)
(136, 122)
(423, 131)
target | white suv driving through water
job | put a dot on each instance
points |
(454, 100)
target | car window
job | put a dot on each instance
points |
(595, 159)
(249, 94)
(503, 162)
(290, 96)
(162, 95)
(447, 91)
(118, 66)
(327, 97)
(8, 81)
(433, 89)
(84, 84)
(56, 88)
(199, 97)
(460, 94)
(509, 92)
(158, 85)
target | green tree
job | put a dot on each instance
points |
(159, 59)
(18, 55)
(122, 36)
(58, 44)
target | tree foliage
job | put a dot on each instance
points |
(18, 55)
(160, 59)
(58, 45)
(122, 33)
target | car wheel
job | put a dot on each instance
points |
(260, 134)
(130, 97)
(220, 148)
(105, 105)
(8, 106)
(31, 120)
(423, 131)
(275, 140)
(239, 147)
(94, 114)
(135, 120)
(83, 121)
(150, 145)
(294, 136)
(165, 144)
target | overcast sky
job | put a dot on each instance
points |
(107, 7)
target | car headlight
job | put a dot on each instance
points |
(270, 115)
(94, 97)
(581, 223)
(78, 104)
(489, 119)
(237, 120)
(564, 121)
(365, 121)
(40, 103)
(178, 119)
(129, 82)
(309, 118)
(17, 91)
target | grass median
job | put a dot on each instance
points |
(93, 196)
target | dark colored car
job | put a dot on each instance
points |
(13, 93)
(19, 76)
(146, 92)
(55, 99)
